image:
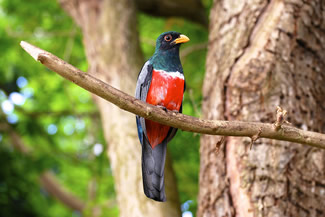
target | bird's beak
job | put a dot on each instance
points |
(181, 39)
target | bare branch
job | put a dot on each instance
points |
(60, 113)
(47, 179)
(170, 118)
(17, 142)
(189, 9)
(254, 138)
(51, 184)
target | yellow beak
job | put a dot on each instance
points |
(181, 39)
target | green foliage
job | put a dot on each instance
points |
(58, 120)
(19, 196)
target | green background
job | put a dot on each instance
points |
(60, 124)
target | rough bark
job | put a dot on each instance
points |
(114, 56)
(262, 54)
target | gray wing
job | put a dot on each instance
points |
(141, 91)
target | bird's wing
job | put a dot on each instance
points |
(144, 80)
(141, 92)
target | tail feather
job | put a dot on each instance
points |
(153, 163)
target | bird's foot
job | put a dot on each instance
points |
(162, 107)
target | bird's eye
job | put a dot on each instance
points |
(168, 37)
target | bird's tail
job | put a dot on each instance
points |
(153, 163)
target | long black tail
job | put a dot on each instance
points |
(153, 163)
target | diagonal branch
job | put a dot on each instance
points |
(184, 122)
(52, 185)
(47, 179)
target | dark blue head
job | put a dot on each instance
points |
(166, 56)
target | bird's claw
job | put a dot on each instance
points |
(165, 109)
(162, 107)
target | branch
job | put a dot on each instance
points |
(51, 184)
(47, 179)
(60, 113)
(190, 9)
(170, 118)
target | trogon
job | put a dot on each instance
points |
(161, 83)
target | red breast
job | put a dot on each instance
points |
(166, 89)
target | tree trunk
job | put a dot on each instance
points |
(114, 56)
(263, 54)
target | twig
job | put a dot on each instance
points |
(170, 118)
(280, 117)
(70, 43)
(254, 138)
(52, 185)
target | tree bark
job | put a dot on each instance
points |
(114, 56)
(262, 54)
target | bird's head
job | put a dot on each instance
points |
(170, 40)
(166, 56)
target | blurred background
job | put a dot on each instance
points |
(52, 150)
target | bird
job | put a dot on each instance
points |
(161, 82)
